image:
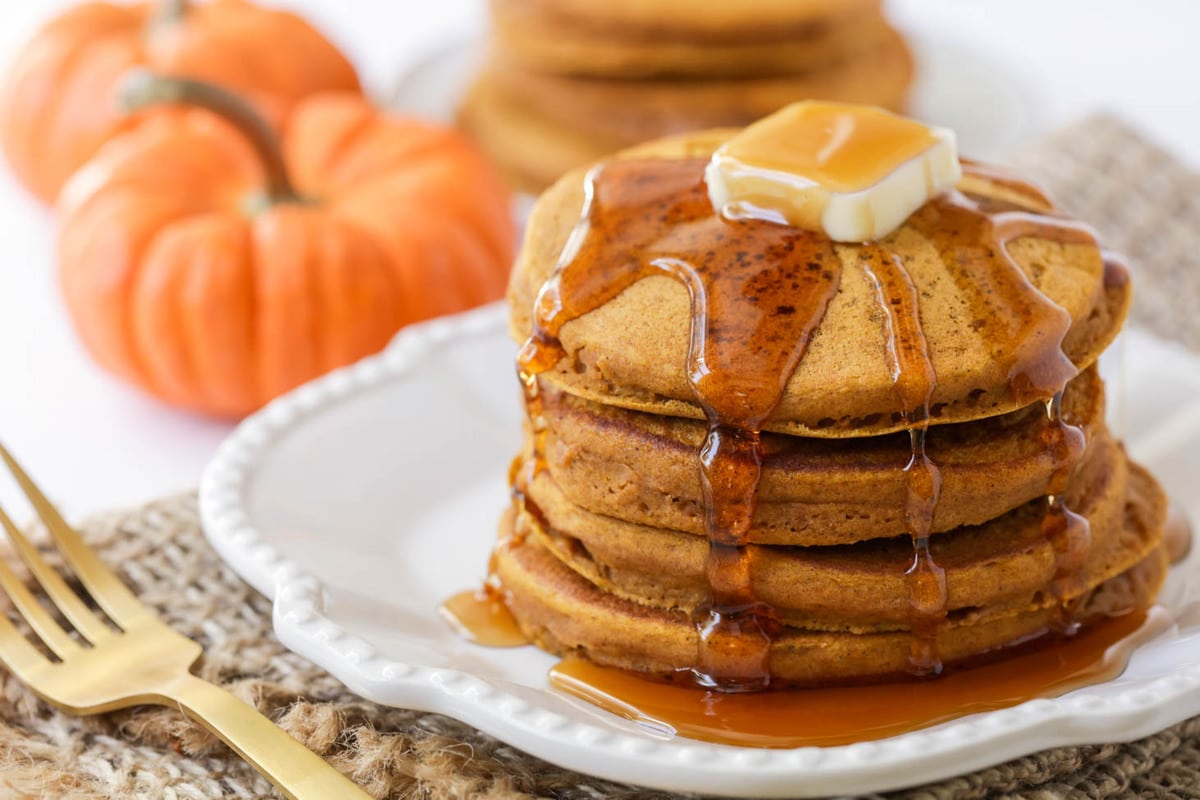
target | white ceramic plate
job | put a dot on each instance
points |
(987, 106)
(360, 501)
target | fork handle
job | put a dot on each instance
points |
(297, 771)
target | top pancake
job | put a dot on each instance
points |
(632, 351)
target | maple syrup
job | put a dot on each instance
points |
(840, 715)
(1069, 533)
(838, 147)
(480, 616)
(915, 379)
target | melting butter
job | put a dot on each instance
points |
(855, 172)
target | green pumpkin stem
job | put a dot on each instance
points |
(142, 89)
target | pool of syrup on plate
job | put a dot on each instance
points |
(832, 715)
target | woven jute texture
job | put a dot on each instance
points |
(1139, 199)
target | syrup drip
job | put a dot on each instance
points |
(839, 715)
(1025, 327)
(915, 379)
(480, 616)
(1069, 533)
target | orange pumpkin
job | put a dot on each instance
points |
(56, 104)
(205, 264)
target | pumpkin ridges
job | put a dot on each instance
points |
(481, 282)
(417, 194)
(383, 240)
(155, 296)
(109, 219)
(474, 281)
(361, 302)
(385, 149)
(284, 325)
(74, 128)
(170, 155)
(193, 310)
(65, 46)
(428, 278)
(181, 53)
(100, 261)
(313, 143)
(249, 63)
(30, 99)
(330, 72)
(292, 297)
(437, 181)
(385, 145)
(220, 322)
(31, 88)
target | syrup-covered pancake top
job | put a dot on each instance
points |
(1011, 297)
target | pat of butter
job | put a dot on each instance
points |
(854, 172)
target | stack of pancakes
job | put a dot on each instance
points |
(569, 81)
(604, 554)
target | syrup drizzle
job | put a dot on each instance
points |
(915, 379)
(481, 616)
(1024, 327)
(1069, 533)
(758, 292)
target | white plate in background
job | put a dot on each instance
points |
(361, 501)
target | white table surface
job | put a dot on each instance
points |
(95, 443)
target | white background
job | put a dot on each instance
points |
(95, 443)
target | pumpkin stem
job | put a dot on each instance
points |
(142, 89)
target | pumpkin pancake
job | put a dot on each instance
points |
(633, 111)
(542, 38)
(537, 126)
(1007, 561)
(642, 468)
(632, 350)
(565, 613)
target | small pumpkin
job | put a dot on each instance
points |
(56, 104)
(216, 269)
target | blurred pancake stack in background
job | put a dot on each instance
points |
(569, 81)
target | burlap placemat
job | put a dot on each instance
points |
(1143, 203)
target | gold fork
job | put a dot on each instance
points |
(139, 661)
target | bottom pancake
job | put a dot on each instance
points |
(566, 614)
